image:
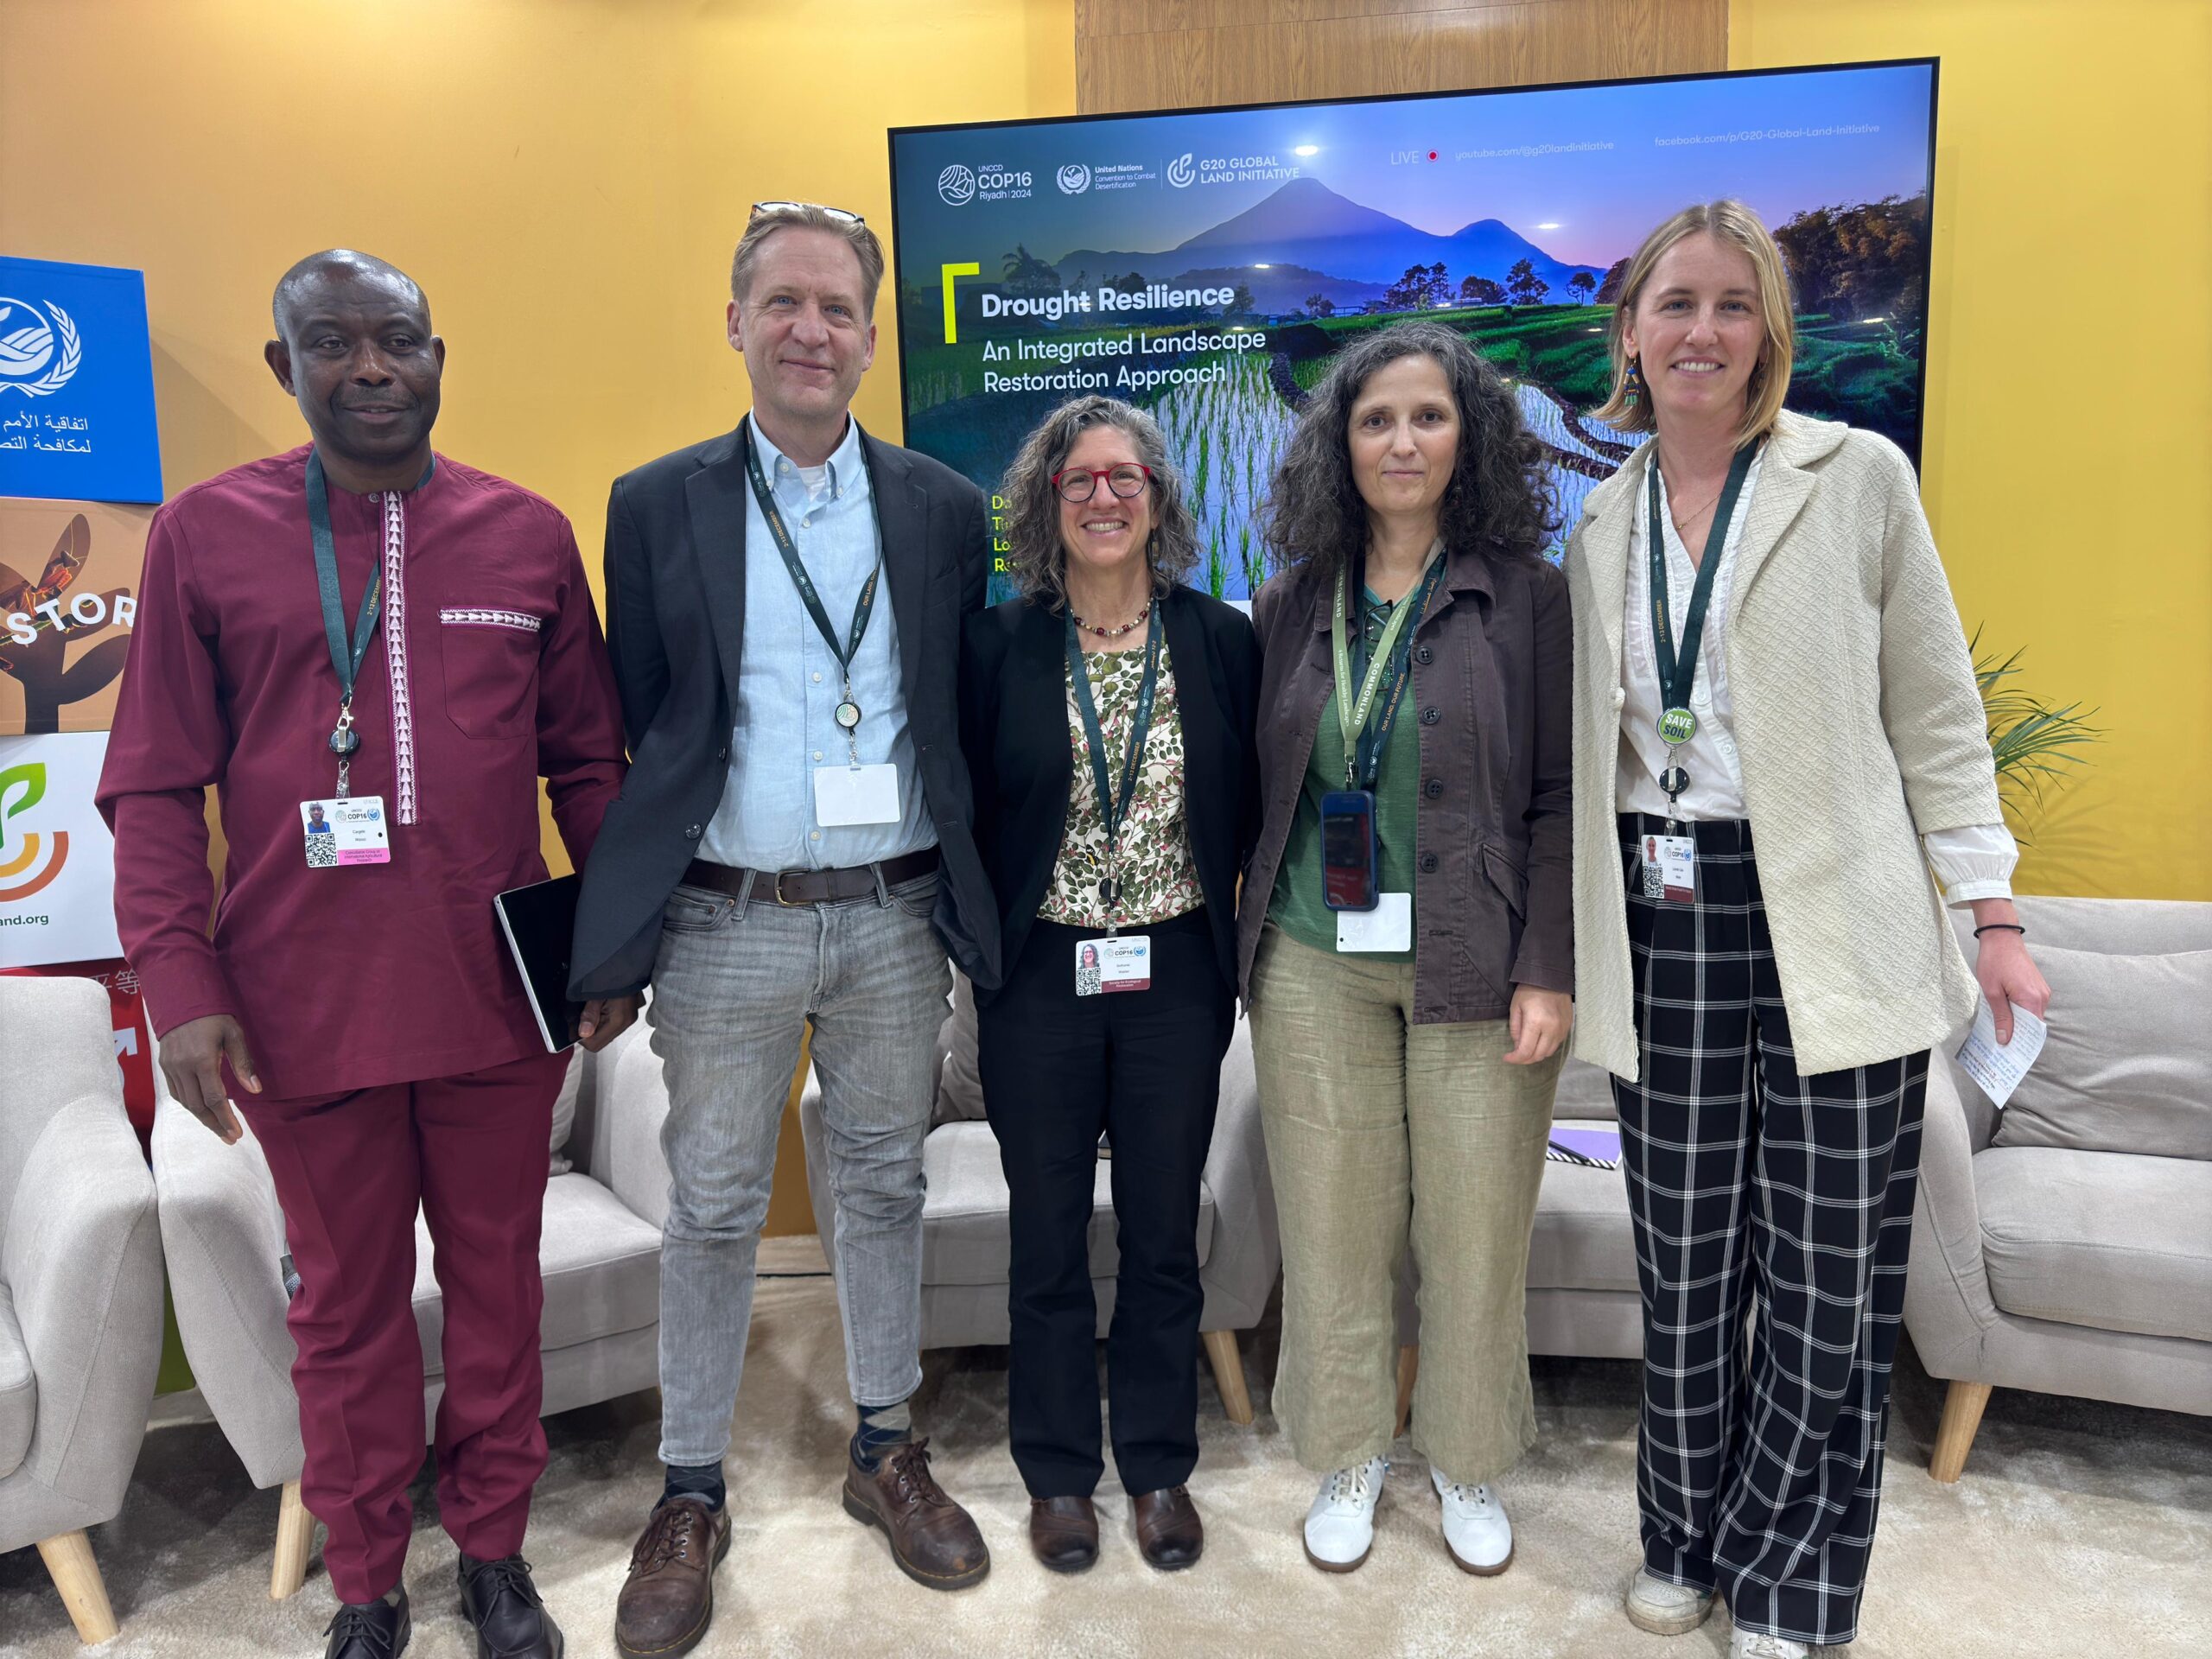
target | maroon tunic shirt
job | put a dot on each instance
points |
(487, 671)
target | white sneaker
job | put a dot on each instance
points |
(1476, 1530)
(1750, 1644)
(1665, 1609)
(1340, 1527)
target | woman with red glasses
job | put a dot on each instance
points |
(1106, 715)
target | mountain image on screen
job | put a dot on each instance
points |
(1305, 238)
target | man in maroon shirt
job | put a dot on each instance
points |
(408, 644)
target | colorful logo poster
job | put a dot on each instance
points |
(69, 577)
(76, 384)
(57, 860)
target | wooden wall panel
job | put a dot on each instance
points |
(1148, 55)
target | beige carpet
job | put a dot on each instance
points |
(2079, 1529)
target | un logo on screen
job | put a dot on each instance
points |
(1074, 179)
(1180, 172)
(39, 349)
(957, 185)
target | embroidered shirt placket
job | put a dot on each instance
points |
(477, 617)
(394, 649)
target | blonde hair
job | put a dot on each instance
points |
(804, 215)
(1732, 225)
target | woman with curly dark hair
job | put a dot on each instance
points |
(1106, 715)
(1405, 942)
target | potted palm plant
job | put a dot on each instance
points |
(2037, 747)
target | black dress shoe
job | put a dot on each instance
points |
(372, 1630)
(500, 1601)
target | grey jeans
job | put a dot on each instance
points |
(736, 982)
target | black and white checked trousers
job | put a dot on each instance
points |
(1760, 1195)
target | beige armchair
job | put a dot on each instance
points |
(2069, 1251)
(81, 1286)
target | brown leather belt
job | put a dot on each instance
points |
(810, 887)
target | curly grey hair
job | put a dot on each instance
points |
(1037, 560)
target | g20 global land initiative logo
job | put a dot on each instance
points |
(1181, 171)
(40, 348)
(1074, 179)
(29, 861)
(956, 184)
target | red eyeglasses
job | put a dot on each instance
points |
(1126, 480)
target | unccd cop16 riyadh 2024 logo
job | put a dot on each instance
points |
(40, 347)
(28, 861)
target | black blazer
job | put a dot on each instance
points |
(1014, 728)
(675, 628)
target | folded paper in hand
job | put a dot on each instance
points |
(1997, 1068)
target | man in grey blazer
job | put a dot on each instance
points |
(793, 845)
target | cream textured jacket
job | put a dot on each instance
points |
(1860, 730)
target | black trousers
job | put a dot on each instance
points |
(1756, 1193)
(1144, 1066)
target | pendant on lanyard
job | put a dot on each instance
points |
(848, 712)
(345, 658)
(1114, 802)
(1678, 671)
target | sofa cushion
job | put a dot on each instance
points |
(601, 1263)
(564, 1112)
(964, 1218)
(1581, 1240)
(1584, 1091)
(18, 1388)
(2113, 1241)
(2127, 1066)
(959, 1082)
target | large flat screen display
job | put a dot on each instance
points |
(1206, 263)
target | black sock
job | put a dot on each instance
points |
(881, 1428)
(695, 1480)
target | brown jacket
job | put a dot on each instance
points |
(1491, 701)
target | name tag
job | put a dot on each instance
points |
(1388, 926)
(852, 794)
(1670, 868)
(351, 831)
(1121, 963)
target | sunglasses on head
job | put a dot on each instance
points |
(838, 213)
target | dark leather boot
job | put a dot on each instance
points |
(1168, 1531)
(499, 1599)
(668, 1598)
(1064, 1533)
(372, 1630)
(934, 1540)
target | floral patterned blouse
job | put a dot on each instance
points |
(1154, 870)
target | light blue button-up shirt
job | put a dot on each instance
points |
(789, 683)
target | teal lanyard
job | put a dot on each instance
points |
(1363, 749)
(1678, 673)
(1114, 804)
(345, 660)
(848, 712)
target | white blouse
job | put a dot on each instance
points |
(1972, 861)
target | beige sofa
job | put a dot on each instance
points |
(2069, 1250)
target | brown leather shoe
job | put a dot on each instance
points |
(1064, 1531)
(1169, 1534)
(668, 1598)
(932, 1538)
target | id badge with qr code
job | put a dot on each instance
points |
(1121, 963)
(351, 831)
(1670, 868)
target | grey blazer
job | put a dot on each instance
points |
(676, 628)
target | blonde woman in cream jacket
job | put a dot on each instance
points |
(1798, 679)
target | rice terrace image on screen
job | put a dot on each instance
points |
(1207, 265)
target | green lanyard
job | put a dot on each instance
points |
(1114, 804)
(848, 712)
(345, 660)
(1678, 674)
(1363, 758)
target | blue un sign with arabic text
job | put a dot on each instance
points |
(76, 385)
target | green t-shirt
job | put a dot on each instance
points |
(1296, 906)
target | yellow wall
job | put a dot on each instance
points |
(2069, 460)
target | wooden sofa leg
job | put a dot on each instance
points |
(295, 1542)
(1408, 1369)
(1229, 1375)
(1962, 1408)
(68, 1557)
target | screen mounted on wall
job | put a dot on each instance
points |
(1205, 265)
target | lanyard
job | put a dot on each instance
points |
(1677, 675)
(346, 660)
(1114, 804)
(1363, 752)
(848, 712)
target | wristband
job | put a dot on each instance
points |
(1995, 927)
